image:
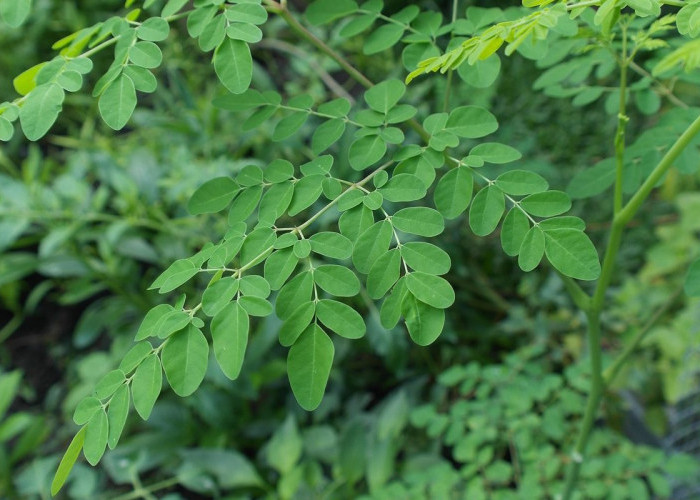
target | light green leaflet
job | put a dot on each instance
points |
(212, 196)
(309, 366)
(117, 413)
(68, 460)
(424, 322)
(383, 274)
(96, 437)
(296, 323)
(185, 357)
(422, 221)
(337, 280)
(117, 102)
(531, 250)
(146, 385)
(486, 210)
(425, 257)
(433, 290)
(454, 192)
(15, 12)
(229, 331)
(371, 244)
(571, 252)
(41, 109)
(340, 318)
(234, 65)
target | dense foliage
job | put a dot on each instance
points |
(305, 222)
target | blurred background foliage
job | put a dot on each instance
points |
(88, 218)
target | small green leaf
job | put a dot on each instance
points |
(306, 192)
(563, 222)
(248, 33)
(68, 461)
(454, 192)
(424, 323)
(390, 312)
(40, 110)
(254, 285)
(340, 318)
(96, 437)
(302, 249)
(382, 38)
(425, 257)
(244, 204)
(154, 29)
(185, 358)
(592, 181)
(371, 244)
(546, 204)
(337, 280)
(471, 122)
(309, 366)
(515, 227)
(279, 266)
(385, 95)
(422, 221)
(288, 125)
(326, 135)
(256, 306)
(86, 409)
(531, 250)
(521, 182)
(146, 385)
(176, 274)
(218, 295)
(15, 12)
(257, 246)
(146, 55)
(117, 414)
(117, 102)
(296, 323)
(330, 244)
(109, 384)
(144, 81)
(494, 152)
(433, 290)
(135, 355)
(294, 293)
(356, 221)
(246, 13)
(229, 332)
(234, 65)
(403, 187)
(572, 253)
(366, 151)
(383, 274)
(212, 196)
(486, 210)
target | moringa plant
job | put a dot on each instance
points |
(410, 170)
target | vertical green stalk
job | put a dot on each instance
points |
(448, 82)
(622, 120)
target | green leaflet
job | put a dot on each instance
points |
(246, 13)
(117, 102)
(383, 38)
(117, 413)
(257, 246)
(288, 125)
(337, 280)
(433, 290)
(244, 204)
(572, 253)
(425, 257)
(383, 274)
(41, 109)
(279, 266)
(234, 65)
(356, 221)
(494, 152)
(109, 383)
(146, 385)
(331, 244)
(218, 295)
(515, 227)
(306, 192)
(390, 312)
(154, 29)
(370, 245)
(563, 222)
(212, 196)
(521, 182)
(326, 135)
(546, 204)
(254, 285)
(135, 355)
(256, 306)
(454, 192)
(531, 250)
(309, 366)
(373, 200)
(185, 358)
(68, 461)
(340, 318)
(96, 437)
(296, 323)
(385, 95)
(424, 323)
(366, 151)
(298, 290)
(403, 187)
(146, 55)
(422, 221)
(86, 409)
(250, 175)
(178, 273)
(471, 122)
(229, 332)
(487, 208)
